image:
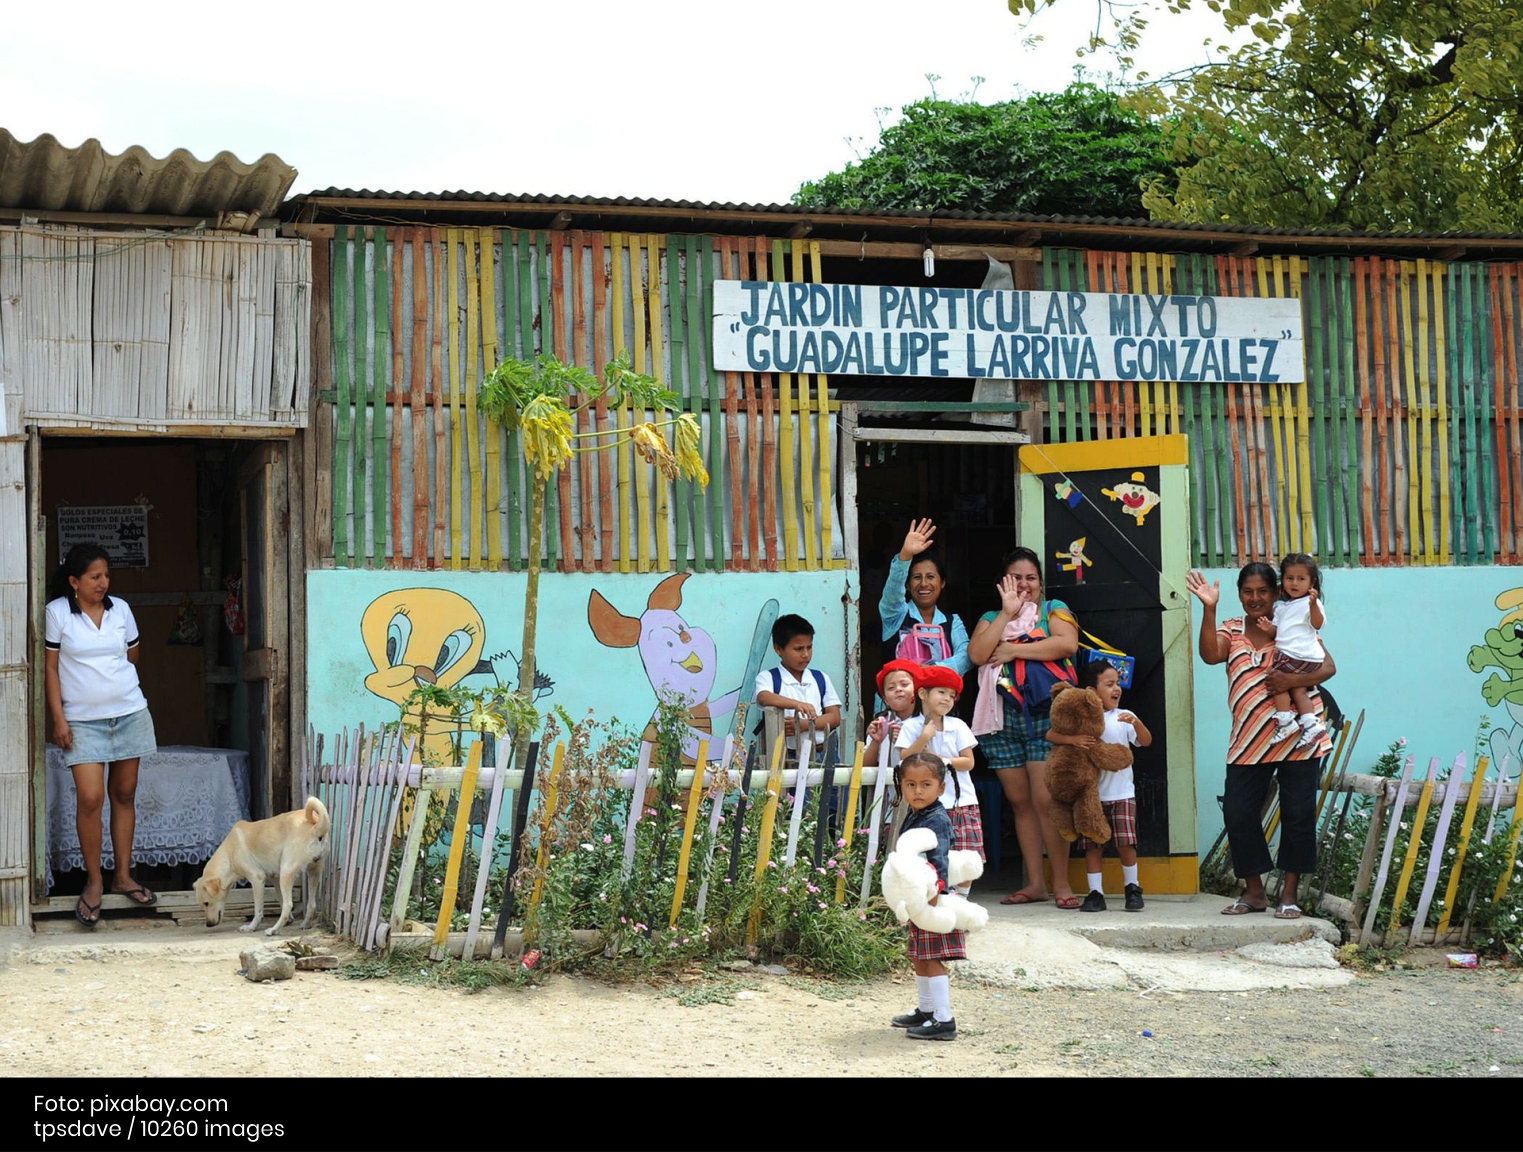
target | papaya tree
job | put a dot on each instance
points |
(538, 399)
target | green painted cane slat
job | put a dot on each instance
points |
(512, 342)
(717, 430)
(547, 347)
(1334, 528)
(680, 383)
(344, 424)
(1474, 509)
(1077, 428)
(1457, 501)
(1049, 281)
(1491, 542)
(705, 548)
(380, 456)
(1317, 314)
(362, 388)
(1354, 545)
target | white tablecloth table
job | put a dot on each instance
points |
(188, 800)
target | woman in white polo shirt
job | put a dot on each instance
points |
(99, 715)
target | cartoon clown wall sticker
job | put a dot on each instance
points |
(1137, 499)
(1077, 560)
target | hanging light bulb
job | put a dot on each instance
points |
(930, 261)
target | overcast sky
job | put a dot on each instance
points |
(680, 99)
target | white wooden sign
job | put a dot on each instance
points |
(880, 330)
(121, 529)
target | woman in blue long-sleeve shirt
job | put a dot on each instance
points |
(917, 572)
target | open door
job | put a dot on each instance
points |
(265, 519)
(1112, 522)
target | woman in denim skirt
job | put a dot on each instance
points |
(99, 716)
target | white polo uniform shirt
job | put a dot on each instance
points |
(794, 688)
(97, 680)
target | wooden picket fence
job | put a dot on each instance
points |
(362, 778)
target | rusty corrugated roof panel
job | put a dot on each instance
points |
(44, 175)
(542, 200)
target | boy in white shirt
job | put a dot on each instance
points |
(936, 731)
(803, 692)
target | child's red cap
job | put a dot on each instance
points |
(898, 666)
(938, 676)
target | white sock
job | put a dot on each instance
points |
(923, 990)
(941, 996)
(1307, 720)
(1284, 717)
(1129, 874)
(1095, 881)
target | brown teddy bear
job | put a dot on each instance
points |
(1073, 772)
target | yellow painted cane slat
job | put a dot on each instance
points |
(852, 793)
(458, 837)
(1298, 268)
(1424, 393)
(474, 464)
(806, 441)
(786, 437)
(1267, 269)
(1416, 465)
(764, 841)
(826, 497)
(663, 486)
(486, 237)
(456, 394)
(1472, 804)
(639, 475)
(1512, 848)
(1409, 861)
(623, 455)
(694, 795)
(547, 819)
(1437, 274)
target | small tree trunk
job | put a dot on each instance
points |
(522, 737)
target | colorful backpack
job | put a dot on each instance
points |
(922, 643)
(1028, 683)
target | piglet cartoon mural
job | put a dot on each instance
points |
(678, 658)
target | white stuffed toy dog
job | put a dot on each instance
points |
(909, 884)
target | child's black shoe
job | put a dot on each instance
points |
(1134, 898)
(912, 1019)
(1094, 902)
(934, 1029)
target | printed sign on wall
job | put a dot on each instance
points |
(881, 330)
(121, 529)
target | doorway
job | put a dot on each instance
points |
(194, 529)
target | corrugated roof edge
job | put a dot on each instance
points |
(45, 175)
(463, 196)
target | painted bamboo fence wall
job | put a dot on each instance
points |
(111, 330)
(1403, 446)
(418, 480)
(15, 664)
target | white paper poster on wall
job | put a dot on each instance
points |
(121, 529)
(882, 330)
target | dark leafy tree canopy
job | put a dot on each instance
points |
(1076, 152)
(1363, 114)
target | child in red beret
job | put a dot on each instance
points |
(937, 731)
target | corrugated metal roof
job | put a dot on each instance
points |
(910, 218)
(44, 175)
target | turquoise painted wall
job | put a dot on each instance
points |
(1402, 639)
(369, 633)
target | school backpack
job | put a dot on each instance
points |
(922, 643)
(1028, 683)
(777, 688)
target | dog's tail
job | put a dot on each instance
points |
(317, 814)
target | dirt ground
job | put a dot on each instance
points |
(190, 1015)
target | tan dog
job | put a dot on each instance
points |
(281, 846)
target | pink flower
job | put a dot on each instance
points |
(607, 839)
(821, 903)
(1402, 741)
(780, 888)
(861, 915)
(841, 843)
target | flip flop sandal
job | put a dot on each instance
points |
(84, 906)
(1068, 902)
(1243, 908)
(1287, 912)
(140, 896)
(1023, 898)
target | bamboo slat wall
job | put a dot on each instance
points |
(1402, 446)
(111, 330)
(419, 315)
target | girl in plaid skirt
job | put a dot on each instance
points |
(918, 781)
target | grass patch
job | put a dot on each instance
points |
(416, 969)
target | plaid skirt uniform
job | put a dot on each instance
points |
(967, 836)
(1122, 817)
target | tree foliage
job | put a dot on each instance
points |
(1076, 152)
(1365, 114)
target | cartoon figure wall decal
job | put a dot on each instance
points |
(1066, 491)
(678, 658)
(1077, 561)
(1137, 499)
(422, 636)
(1504, 650)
